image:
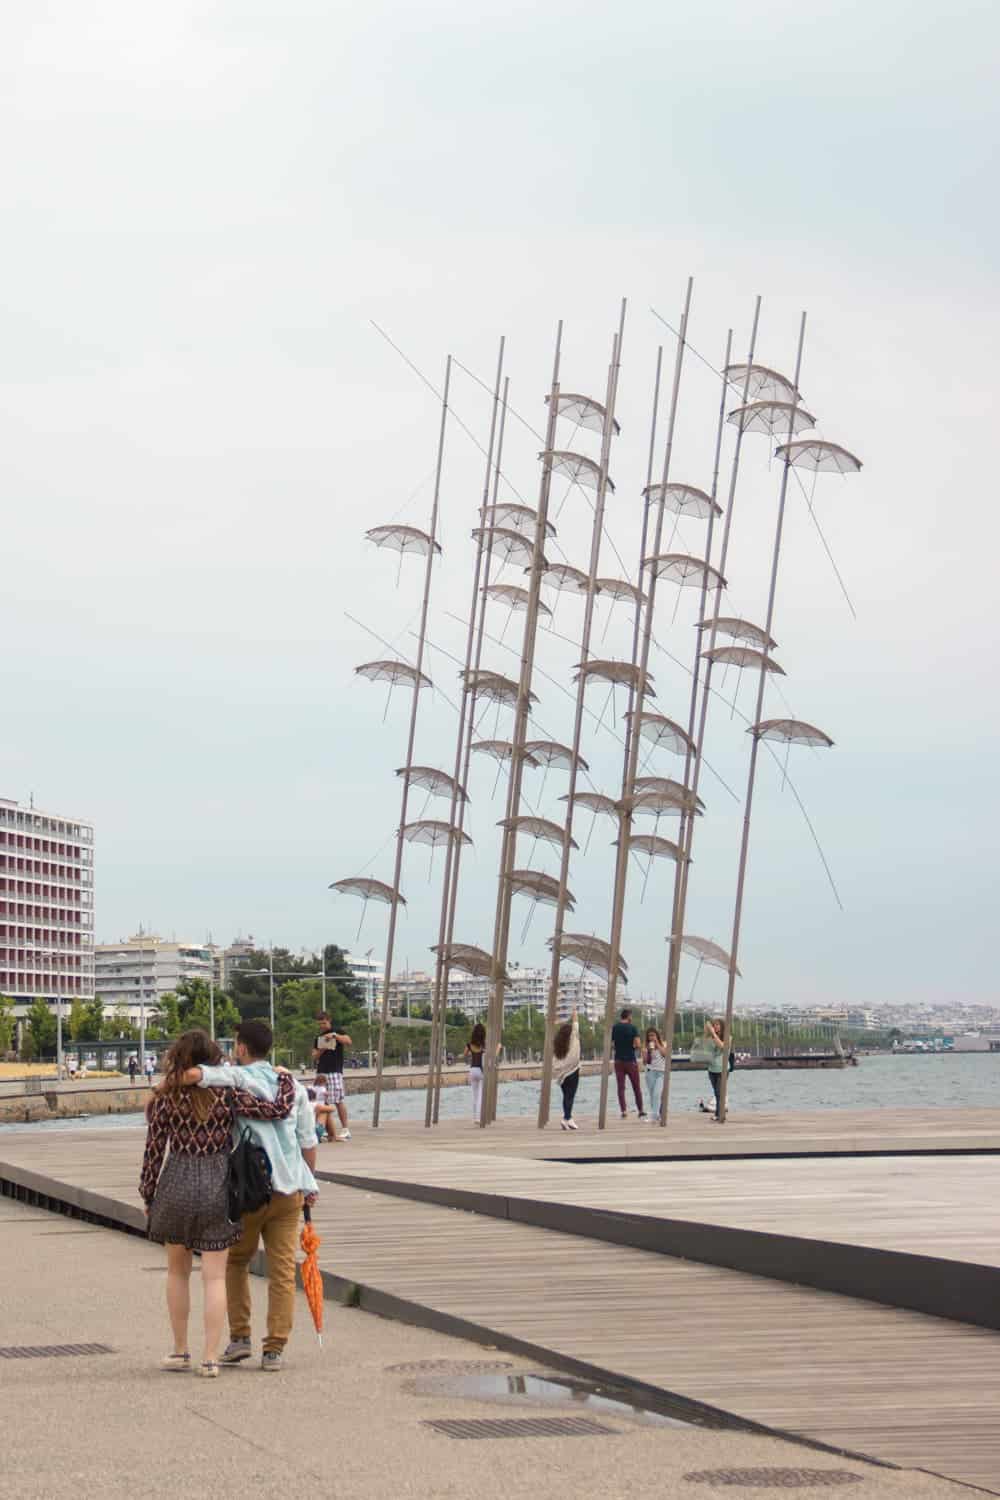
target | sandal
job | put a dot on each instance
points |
(175, 1362)
(209, 1368)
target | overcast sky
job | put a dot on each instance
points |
(205, 205)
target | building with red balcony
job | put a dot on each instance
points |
(46, 907)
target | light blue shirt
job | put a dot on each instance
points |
(283, 1140)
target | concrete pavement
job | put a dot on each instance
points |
(338, 1418)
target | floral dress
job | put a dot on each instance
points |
(187, 1200)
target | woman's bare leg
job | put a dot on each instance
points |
(179, 1295)
(213, 1286)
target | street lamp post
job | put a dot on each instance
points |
(370, 995)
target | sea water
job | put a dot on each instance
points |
(966, 1080)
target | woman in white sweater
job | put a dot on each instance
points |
(566, 1066)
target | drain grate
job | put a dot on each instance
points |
(449, 1366)
(775, 1479)
(520, 1427)
(51, 1351)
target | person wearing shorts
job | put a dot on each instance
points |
(328, 1054)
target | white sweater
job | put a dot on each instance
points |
(562, 1067)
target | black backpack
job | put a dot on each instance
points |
(248, 1178)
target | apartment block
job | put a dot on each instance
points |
(136, 971)
(46, 906)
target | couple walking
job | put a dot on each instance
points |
(195, 1112)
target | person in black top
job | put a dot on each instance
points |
(625, 1043)
(328, 1055)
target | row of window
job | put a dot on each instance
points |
(35, 984)
(36, 891)
(66, 873)
(19, 817)
(46, 846)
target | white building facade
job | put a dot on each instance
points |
(133, 974)
(46, 907)
(528, 987)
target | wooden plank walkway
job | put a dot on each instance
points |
(822, 1132)
(901, 1387)
(941, 1206)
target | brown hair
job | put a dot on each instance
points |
(561, 1040)
(478, 1037)
(192, 1049)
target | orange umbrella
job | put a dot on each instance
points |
(312, 1279)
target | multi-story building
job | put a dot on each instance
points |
(528, 987)
(135, 972)
(46, 906)
(368, 973)
(228, 959)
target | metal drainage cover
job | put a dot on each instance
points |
(775, 1479)
(523, 1427)
(51, 1351)
(449, 1366)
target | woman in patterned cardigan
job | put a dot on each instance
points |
(186, 1203)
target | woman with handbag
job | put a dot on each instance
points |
(186, 1201)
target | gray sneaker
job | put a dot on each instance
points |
(235, 1351)
(271, 1360)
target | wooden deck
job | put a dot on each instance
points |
(898, 1386)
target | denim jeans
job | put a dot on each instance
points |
(654, 1089)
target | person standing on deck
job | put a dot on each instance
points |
(328, 1055)
(291, 1149)
(475, 1051)
(566, 1066)
(186, 1200)
(715, 1035)
(150, 1068)
(655, 1058)
(625, 1042)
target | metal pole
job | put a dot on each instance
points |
(687, 823)
(142, 1017)
(688, 814)
(631, 760)
(501, 929)
(463, 739)
(754, 740)
(211, 1006)
(596, 537)
(470, 722)
(414, 705)
(322, 980)
(270, 987)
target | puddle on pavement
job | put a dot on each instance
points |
(550, 1389)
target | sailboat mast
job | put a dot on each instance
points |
(414, 705)
(755, 740)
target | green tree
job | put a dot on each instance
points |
(119, 1026)
(91, 1023)
(42, 1025)
(28, 1048)
(75, 1019)
(7, 1023)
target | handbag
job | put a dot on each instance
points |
(702, 1050)
(248, 1176)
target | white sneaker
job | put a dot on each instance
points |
(345, 1135)
(563, 1125)
(571, 1125)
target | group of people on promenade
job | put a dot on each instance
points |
(199, 1117)
(630, 1052)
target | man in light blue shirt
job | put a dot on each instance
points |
(291, 1148)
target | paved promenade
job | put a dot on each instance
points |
(338, 1419)
(582, 1280)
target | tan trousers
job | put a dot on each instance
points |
(277, 1223)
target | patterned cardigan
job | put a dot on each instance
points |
(172, 1122)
